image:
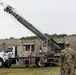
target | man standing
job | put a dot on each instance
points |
(41, 56)
(30, 57)
(68, 58)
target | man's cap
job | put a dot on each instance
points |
(31, 52)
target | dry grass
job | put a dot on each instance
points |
(18, 70)
(30, 71)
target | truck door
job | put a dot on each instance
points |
(9, 53)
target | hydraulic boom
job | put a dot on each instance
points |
(49, 43)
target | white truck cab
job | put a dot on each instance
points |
(5, 55)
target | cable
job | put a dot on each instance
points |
(16, 25)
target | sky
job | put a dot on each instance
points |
(48, 16)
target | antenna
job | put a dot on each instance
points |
(2, 4)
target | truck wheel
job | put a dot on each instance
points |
(47, 64)
(27, 66)
(7, 66)
(38, 63)
(1, 63)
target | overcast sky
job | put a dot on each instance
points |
(48, 16)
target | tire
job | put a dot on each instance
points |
(1, 63)
(27, 66)
(54, 64)
(7, 66)
(47, 64)
(38, 63)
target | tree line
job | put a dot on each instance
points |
(48, 35)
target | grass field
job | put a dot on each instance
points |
(30, 71)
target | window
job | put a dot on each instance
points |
(9, 50)
(27, 47)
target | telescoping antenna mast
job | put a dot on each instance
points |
(49, 44)
(2, 4)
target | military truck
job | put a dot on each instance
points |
(14, 55)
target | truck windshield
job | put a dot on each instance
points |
(9, 50)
